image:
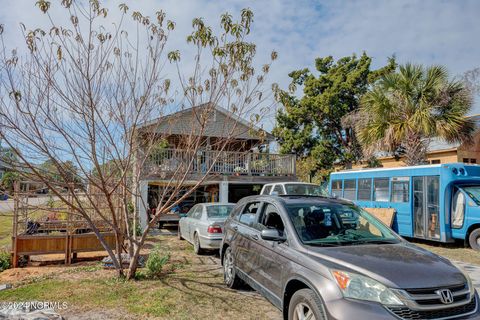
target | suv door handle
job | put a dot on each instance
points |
(235, 228)
(255, 237)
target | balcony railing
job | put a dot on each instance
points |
(220, 162)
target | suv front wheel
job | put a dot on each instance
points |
(229, 274)
(305, 304)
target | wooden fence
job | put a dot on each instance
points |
(52, 229)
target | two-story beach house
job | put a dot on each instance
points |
(232, 157)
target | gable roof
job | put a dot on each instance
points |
(221, 124)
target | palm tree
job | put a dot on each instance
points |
(405, 109)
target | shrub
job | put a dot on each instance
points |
(157, 259)
(50, 202)
(5, 260)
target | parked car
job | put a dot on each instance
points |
(293, 188)
(297, 252)
(174, 216)
(203, 225)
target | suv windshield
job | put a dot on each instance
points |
(332, 224)
(221, 211)
(304, 189)
(474, 193)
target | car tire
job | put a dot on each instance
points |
(196, 244)
(305, 303)
(229, 273)
(474, 239)
(179, 234)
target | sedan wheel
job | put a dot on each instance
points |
(179, 233)
(196, 244)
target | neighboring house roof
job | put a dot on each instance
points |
(220, 125)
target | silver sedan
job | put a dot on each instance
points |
(203, 225)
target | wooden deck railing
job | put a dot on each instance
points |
(224, 162)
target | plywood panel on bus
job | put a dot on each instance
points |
(383, 214)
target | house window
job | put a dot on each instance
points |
(365, 189)
(436, 161)
(337, 188)
(400, 187)
(350, 189)
(380, 189)
(469, 160)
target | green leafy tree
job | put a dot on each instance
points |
(61, 172)
(8, 179)
(405, 109)
(312, 126)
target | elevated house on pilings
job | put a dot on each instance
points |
(232, 157)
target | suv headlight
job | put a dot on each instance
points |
(359, 287)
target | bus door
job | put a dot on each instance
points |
(426, 210)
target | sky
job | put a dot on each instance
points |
(425, 31)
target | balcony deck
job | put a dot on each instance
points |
(168, 163)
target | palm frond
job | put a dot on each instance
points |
(412, 105)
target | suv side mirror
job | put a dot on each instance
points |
(273, 235)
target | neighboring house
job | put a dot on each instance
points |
(440, 151)
(240, 168)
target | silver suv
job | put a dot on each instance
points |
(325, 258)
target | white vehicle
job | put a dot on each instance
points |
(293, 188)
(203, 225)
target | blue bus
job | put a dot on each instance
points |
(434, 202)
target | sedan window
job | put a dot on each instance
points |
(219, 211)
(197, 214)
(191, 212)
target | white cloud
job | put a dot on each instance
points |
(422, 31)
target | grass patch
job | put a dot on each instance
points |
(190, 288)
(109, 294)
(6, 225)
(451, 251)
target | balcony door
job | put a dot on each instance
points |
(426, 210)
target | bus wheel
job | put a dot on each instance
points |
(474, 239)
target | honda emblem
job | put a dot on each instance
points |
(446, 296)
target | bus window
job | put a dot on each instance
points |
(433, 209)
(365, 189)
(380, 189)
(458, 208)
(474, 193)
(337, 188)
(400, 189)
(349, 189)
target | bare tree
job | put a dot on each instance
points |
(84, 96)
